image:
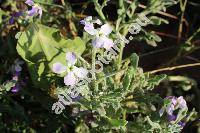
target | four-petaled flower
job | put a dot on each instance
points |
(73, 73)
(173, 103)
(35, 10)
(89, 25)
(101, 34)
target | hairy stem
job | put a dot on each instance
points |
(99, 10)
(180, 29)
(94, 51)
(120, 55)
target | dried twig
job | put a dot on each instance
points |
(173, 68)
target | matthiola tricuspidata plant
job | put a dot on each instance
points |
(105, 92)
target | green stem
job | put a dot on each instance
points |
(120, 19)
(99, 10)
(121, 4)
(124, 114)
(48, 4)
(118, 24)
(84, 61)
(120, 55)
(94, 51)
(191, 37)
(109, 75)
(180, 29)
(120, 14)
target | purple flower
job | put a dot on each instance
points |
(17, 65)
(16, 69)
(11, 20)
(172, 99)
(73, 72)
(89, 25)
(15, 89)
(171, 117)
(173, 103)
(170, 109)
(17, 73)
(36, 10)
(88, 20)
(15, 16)
(182, 124)
(18, 14)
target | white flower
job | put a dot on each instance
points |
(181, 102)
(101, 39)
(170, 109)
(89, 25)
(101, 35)
(73, 72)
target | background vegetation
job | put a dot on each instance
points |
(168, 46)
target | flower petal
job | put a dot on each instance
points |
(33, 11)
(106, 29)
(11, 20)
(40, 12)
(181, 102)
(71, 58)
(170, 109)
(80, 72)
(161, 111)
(59, 68)
(70, 79)
(182, 124)
(18, 14)
(172, 99)
(108, 43)
(15, 89)
(18, 68)
(98, 22)
(89, 28)
(82, 22)
(29, 2)
(98, 42)
(171, 117)
(88, 19)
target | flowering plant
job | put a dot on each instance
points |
(81, 77)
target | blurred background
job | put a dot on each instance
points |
(179, 48)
